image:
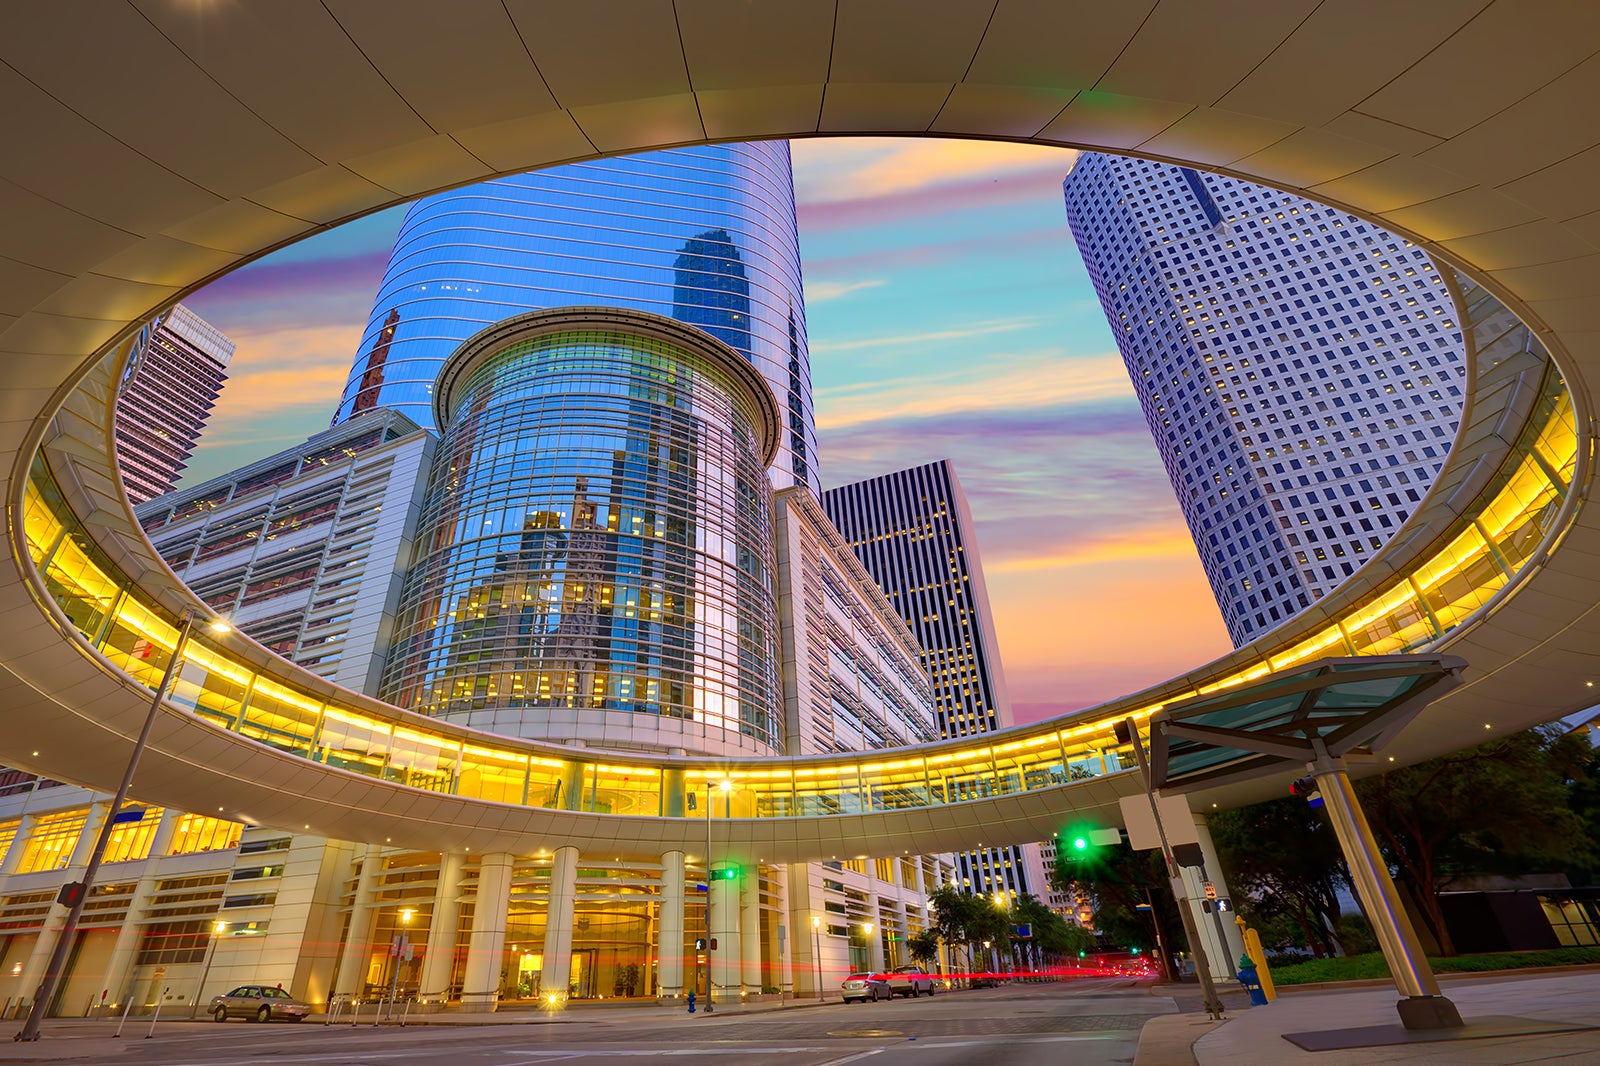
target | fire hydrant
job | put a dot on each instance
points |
(1251, 981)
(691, 1002)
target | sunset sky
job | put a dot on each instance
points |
(948, 315)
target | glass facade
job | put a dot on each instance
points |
(705, 235)
(596, 535)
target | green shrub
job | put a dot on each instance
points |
(1369, 966)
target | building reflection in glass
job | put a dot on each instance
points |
(596, 537)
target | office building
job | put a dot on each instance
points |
(705, 235)
(1301, 371)
(595, 554)
(302, 550)
(168, 388)
(913, 531)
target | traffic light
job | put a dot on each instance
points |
(1306, 788)
(1080, 843)
(729, 872)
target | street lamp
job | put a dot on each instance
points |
(400, 943)
(78, 892)
(816, 952)
(726, 786)
(217, 929)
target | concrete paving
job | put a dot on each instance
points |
(1255, 1036)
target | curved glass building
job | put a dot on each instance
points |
(596, 541)
(705, 235)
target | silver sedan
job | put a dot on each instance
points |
(258, 1003)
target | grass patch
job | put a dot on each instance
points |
(1364, 967)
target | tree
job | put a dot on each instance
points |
(1122, 880)
(924, 947)
(1502, 807)
(1054, 938)
(1284, 857)
(960, 917)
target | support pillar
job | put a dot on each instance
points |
(1423, 1005)
(669, 948)
(556, 977)
(875, 937)
(480, 985)
(804, 940)
(438, 959)
(357, 950)
(1229, 936)
(128, 936)
(727, 961)
(750, 932)
(56, 919)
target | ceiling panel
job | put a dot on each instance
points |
(640, 57)
(1390, 184)
(238, 226)
(623, 127)
(58, 154)
(457, 64)
(1111, 121)
(1502, 55)
(881, 108)
(1562, 190)
(1207, 135)
(717, 36)
(1008, 110)
(325, 194)
(123, 73)
(1517, 141)
(1461, 214)
(1519, 246)
(736, 113)
(1197, 52)
(418, 167)
(45, 234)
(903, 41)
(1062, 45)
(521, 143)
(334, 104)
(1332, 60)
(1311, 157)
(95, 296)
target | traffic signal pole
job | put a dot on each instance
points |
(1128, 733)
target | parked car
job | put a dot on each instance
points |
(865, 986)
(258, 1003)
(910, 981)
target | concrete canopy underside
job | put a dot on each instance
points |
(158, 144)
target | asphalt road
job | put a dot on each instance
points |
(1084, 1021)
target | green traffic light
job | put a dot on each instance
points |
(1081, 843)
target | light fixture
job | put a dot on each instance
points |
(219, 626)
(219, 927)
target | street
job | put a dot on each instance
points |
(1019, 1025)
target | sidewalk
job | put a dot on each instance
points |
(1255, 1037)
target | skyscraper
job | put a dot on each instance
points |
(706, 235)
(1301, 371)
(913, 531)
(166, 396)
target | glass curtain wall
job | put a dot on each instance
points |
(596, 537)
(705, 235)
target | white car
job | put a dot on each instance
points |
(910, 981)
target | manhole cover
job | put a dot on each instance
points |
(865, 1032)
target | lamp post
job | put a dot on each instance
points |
(866, 941)
(217, 929)
(79, 892)
(816, 953)
(401, 942)
(726, 786)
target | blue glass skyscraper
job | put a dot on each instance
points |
(705, 235)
